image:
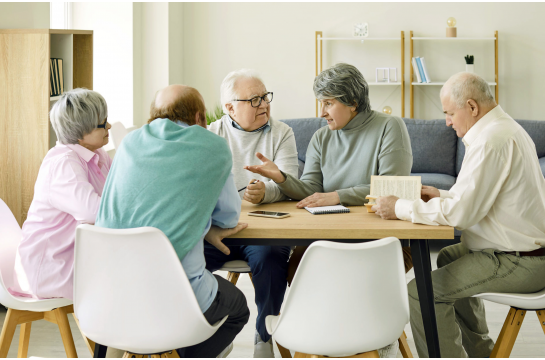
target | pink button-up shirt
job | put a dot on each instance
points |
(67, 193)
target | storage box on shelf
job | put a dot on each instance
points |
(25, 132)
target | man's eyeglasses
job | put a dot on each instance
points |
(103, 126)
(256, 101)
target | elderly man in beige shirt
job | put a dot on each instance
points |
(498, 202)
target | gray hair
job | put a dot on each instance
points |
(464, 86)
(76, 114)
(227, 89)
(346, 84)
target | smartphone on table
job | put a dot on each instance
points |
(269, 214)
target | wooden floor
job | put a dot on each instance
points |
(45, 340)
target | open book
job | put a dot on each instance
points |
(404, 187)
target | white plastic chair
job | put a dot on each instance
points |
(520, 304)
(131, 292)
(345, 300)
(234, 268)
(117, 133)
(24, 310)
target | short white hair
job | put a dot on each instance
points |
(227, 89)
(76, 114)
(464, 86)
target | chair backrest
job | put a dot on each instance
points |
(131, 292)
(117, 133)
(345, 299)
(10, 237)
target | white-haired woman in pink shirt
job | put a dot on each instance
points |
(67, 193)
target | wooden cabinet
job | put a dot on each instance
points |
(25, 132)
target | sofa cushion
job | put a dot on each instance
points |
(304, 129)
(440, 181)
(460, 152)
(301, 168)
(433, 145)
(536, 130)
(542, 164)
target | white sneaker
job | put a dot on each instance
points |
(389, 351)
(226, 351)
(262, 349)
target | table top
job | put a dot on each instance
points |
(357, 224)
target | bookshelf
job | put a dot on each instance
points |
(25, 132)
(320, 40)
(483, 40)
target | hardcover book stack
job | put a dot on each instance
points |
(56, 78)
(419, 67)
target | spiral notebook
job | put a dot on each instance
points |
(327, 210)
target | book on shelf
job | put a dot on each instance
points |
(428, 80)
(422, 75)
(416, 70)
(404, 187)
(51, 85)
(56, 78)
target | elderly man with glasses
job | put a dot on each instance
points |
(250, 131)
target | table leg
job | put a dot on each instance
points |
(100, 351)
(422, 271)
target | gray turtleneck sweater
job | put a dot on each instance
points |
(372, 143)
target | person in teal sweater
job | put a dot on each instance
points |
(341, 158)
(175, 175)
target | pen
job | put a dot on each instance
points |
(255, 182)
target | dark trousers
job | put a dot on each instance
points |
(228, 301)
(269, 265)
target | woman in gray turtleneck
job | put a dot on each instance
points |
(357, 143)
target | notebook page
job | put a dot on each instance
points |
(404, 187)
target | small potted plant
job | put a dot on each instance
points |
(470, 67)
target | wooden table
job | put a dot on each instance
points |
(302, 228)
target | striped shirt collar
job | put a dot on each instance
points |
(265, 128)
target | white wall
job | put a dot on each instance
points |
(24, 15)
(277, 39)
(112, 25)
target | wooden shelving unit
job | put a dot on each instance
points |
(319, 61)
(494, 83)
(25, 132)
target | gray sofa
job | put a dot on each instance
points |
(437, 151)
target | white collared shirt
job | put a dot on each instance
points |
(498, 200)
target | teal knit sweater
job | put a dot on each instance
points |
(167, 177)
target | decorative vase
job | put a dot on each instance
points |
(470, 68)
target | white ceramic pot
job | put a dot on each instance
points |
(470, 68)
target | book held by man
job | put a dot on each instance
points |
(404, 187)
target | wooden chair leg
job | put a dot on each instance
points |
(129, 355)
(285, 353)
(24, 340)
(66, 334)
(90, 343)
(404, 346)
(301, 355)
(508, 334)
(8, 330)
(369, 354)
(541, 316)
(171, 354)
(233, 277)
